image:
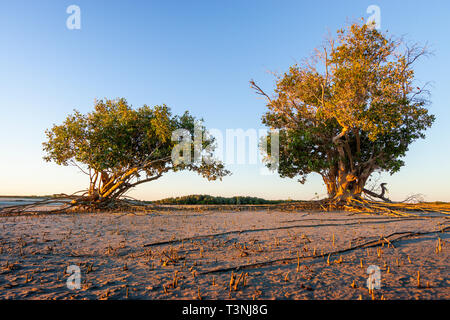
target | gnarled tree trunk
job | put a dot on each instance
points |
(345, 186)
(105, 188)
(346, 180)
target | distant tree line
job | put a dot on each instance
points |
(207, 199)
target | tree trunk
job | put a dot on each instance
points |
(105, 189)
(330, 183)
(345, 186)
(349, 177)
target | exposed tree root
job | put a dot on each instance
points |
(392, 238)
(396, 208)
(83, 204)
(74, 204)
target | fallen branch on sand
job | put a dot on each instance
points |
(379, 196)
(208, 236)
(392, 238)
(74, 203)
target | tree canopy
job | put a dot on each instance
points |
(350, 109)
(120, 147)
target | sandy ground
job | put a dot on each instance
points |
(127, 255)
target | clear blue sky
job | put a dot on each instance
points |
(196, 55)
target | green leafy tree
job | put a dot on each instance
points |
(351, 109)
(119, 147)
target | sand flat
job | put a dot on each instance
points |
(130, 255)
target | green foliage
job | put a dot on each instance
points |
(120, 147)
(351, 109)
(207, 199)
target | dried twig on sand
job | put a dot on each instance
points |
(208, 236)
(394, 237)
